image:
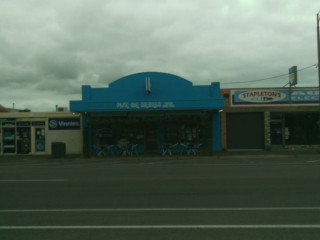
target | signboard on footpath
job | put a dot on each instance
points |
(267, 97)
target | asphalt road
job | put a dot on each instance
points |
(237, 197)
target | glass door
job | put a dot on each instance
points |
(277, 132)
(23, 140)
(40, 140)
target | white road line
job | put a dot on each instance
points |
(284, 226)
(158, 209)
(33, 180)
(313, 161)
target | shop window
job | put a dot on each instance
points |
(149, 132)
(182, 130)
(302, 128)
(9, 140)
(118, 131)
(181, 134)
(102, 136)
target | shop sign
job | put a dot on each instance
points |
(64, 123)
(277, 96)
(7, 119)
(23, 124)
(38, 123)
(262, 96)
(293, 76)
(305, 96)
(8, 124)
(144, 105)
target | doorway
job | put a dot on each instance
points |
(23, 140)
(277, 132)
(40, 140)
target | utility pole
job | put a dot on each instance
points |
(318, 44)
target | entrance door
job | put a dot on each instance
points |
(23, 140)
(277, 133)
(40, 140)
(9, 140)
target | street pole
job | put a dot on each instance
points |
(318, 44)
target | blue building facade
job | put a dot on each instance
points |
(152, 110)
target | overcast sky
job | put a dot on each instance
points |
(48, 49)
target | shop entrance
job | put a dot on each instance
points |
(277, 133)
(23, 140)
(15, 137)
(40, 140)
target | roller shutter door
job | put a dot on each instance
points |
(245, 131)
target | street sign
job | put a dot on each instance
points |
(293, 78)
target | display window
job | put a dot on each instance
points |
(152, 134)
(16, 138)
(182, 133)
(295, 128)
(118, 136)
(9, 139)
(302, 128)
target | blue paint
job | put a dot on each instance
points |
(154, 92)
(216, 132)
(169, 92)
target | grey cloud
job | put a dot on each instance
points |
(58, 64)
(50, 48)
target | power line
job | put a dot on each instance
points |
(263, 79)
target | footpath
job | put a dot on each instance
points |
(225, 155)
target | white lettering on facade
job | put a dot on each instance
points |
(68, 124)
(305, 93)
(144, 105)
(123, 105)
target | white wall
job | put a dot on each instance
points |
(72, 139)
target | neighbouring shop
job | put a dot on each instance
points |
(33, 133)
(295, 128)
(150, 112)
(271, 118)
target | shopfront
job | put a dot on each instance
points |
(150, 111)
(274, 118)
(33, 133)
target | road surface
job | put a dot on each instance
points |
(248, 197)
